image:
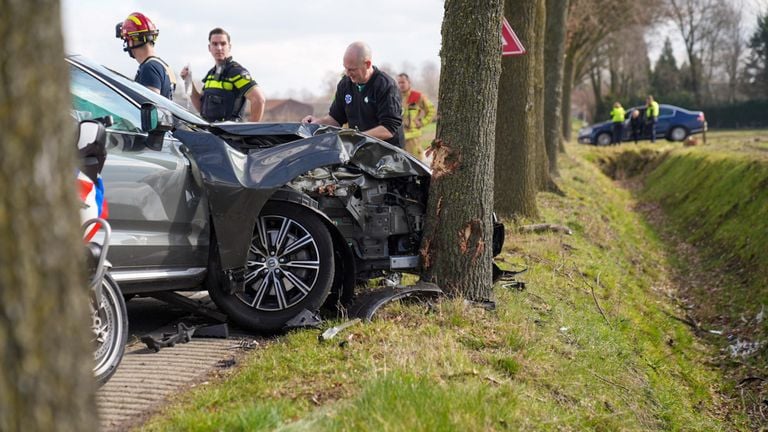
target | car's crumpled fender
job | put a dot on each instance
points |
(238, 185)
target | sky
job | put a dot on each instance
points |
(288, 46)
(750, 9)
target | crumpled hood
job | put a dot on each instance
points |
(300, 130)
(238, 185)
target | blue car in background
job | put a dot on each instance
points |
(674, 123)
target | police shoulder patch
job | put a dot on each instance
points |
(348, 98)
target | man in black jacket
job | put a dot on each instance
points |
(366, 98)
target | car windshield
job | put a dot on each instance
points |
(155, 98)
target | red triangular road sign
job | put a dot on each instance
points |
(510, 44)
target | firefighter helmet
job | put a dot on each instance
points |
(138, 28)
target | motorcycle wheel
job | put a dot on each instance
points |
(110, 329)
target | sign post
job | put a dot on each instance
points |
(510, 44)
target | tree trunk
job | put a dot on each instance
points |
(543, 179)
(457, 246)
(596, 79)
(568, 72)
(554, 50)
(515, 173)
(46, 379)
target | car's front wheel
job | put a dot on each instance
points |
(604, 139)
(290, 268)
(678, 133)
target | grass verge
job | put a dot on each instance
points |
(713, 203)
(590, 345)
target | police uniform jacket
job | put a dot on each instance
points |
(224, 92)
(375, 103)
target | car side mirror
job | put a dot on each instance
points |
(155, 122)
(90, 132)
(91, 147)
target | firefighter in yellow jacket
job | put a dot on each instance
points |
(418, 112)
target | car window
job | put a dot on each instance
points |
(666, 112)
(177, 110)
(91, 98)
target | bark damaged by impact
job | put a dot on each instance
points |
(426, 254)
(470, 235)
(425, 251)
(439, 207)
(446, 159)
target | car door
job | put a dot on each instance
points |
(158, 213)
(666, 116)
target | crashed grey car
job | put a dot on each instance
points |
(274, 220)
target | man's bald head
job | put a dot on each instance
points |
(357, 62)
(358, 51)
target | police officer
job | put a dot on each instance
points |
(651, 116)
(617, 116)
(226, 86)
(139, 34)
(366, 98)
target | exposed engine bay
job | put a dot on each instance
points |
(381, 219)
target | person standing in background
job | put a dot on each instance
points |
(418, 112)
(636, 123)
(651, 116)
(617, 116)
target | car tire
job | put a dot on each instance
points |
(678, 133)
(291, 270)
(603, 139)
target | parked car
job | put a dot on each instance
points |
(270, 218)
(674, 123)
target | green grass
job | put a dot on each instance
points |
(548, 358)
(715, 198)
(719, 199)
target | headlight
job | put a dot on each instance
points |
(585, 131)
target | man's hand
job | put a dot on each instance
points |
(418, 123)
(186, 75)
(326, 120)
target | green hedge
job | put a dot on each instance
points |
(747, 115)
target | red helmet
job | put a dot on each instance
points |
(136, 27)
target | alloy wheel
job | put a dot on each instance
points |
(283, 264)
